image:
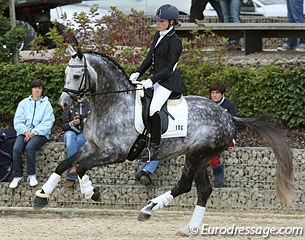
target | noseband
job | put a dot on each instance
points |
(81, 91)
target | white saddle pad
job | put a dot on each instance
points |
(177, 108)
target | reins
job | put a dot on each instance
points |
(86, 80)
(119, 91)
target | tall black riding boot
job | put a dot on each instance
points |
(151, 153)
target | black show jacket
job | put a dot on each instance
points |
(162, 60)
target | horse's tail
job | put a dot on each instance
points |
(285, 188)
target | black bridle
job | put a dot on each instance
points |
(86, 81)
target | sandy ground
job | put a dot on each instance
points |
(98, 224)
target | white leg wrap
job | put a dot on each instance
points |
(194, 224)
(86, 186)
(162, 200)
(157, 203)
(50, 185)
(196, 218)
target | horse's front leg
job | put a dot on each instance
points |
(42, 195)
(85, 183)
(204, 190)
(184, 185)
(103, 159)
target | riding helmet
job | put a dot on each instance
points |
(167, 12)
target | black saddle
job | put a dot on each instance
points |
(164, 114)
(142, 139)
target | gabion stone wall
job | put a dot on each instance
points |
(249, 183)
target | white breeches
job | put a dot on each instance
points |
(161, 94)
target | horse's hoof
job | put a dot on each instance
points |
(183, 232)
(96, 195)
(143, 216)
(40, 202)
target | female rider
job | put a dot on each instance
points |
(164, 78)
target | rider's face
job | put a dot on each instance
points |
(162, 25)
(216, 96)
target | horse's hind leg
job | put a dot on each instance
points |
(204, 190)
(184, 185)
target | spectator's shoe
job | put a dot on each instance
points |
(219, 176)
(285, 47)
(143, 177)
(15, 182)
(146, 179)
(69, 183)
(300, 49)
(138, 175)
(33, 181)
(73, 171)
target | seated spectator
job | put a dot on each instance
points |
(147, 169)
(73, 123)
(33, 122)
(217, 91)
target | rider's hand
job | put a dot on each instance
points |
(147, 83)
(134, 77)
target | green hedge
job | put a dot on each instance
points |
(15, 81)
(270, 89)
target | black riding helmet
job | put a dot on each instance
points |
(167, 12)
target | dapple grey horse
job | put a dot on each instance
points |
(110, 133)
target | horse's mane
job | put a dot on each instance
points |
(110, 59)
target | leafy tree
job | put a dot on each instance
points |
(10, 38)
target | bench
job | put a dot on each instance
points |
(252, 33)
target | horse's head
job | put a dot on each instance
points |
(80, 78)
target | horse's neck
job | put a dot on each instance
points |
(116, 103)
(112, 87)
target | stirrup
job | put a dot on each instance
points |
(151, 153)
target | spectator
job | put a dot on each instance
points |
(73, 124)
(33, 122)
(231, 14)
(198, 6)
(217, 91)
(147, 169)
(295, 9)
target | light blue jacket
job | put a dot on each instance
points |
(34, 116)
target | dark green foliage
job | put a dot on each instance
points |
(271, 89)
(15, 81)
(3, 5)
(274, 90)
(10, 39)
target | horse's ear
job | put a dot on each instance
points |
(80, 53)
(71, 51)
